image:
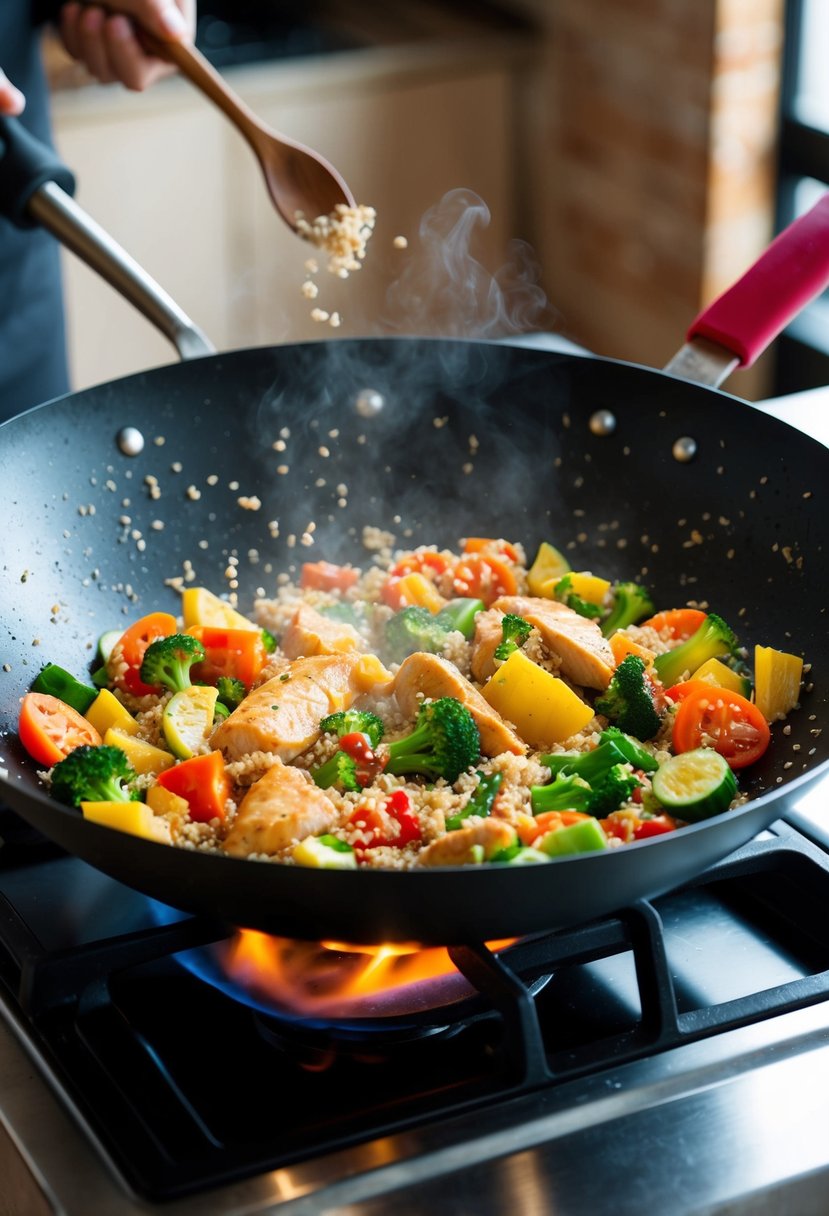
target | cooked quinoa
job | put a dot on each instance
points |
(514, 674)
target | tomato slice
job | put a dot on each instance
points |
(131, 646)
(678, 692)
(481, 576)
(680, 623)
(326, 576)
(50, 729)
(237, 653)
(485, 544)
(427, 562)
(724, 720)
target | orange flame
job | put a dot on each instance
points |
(330, 979)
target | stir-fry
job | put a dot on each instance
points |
(434, 708)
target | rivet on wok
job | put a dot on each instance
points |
(684, 449)
(603, 422)
(369, 403)
(130, 441)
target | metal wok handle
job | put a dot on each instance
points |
(746, 318)
(35, 188)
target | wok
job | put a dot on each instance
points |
(86, 546)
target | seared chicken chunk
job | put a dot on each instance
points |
(282, 807)
(435, 677)
(585, 656)
(283, 715)
(311, 633)
(457, 848)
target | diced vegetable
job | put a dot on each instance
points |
(713, 671)
(187, 720)
(622, 646)
(106, 643)
(459, 614)
(203, 783)
(677, 623)
(712, 639)
(201, 607)
(49, 729)
(133, 817)
(585, 837)
(548, 567)
(326, 576)
(412, 590)
(525, 857)
(144, 757)
(130, 649)
(588, 587)
(724, 720)
(631, 749)
(165, 802)
(777, 677)
(62, 684)
(106, 712)
(325, 853)
(695, 785)
(484, 544)
(480, 803)
(483, 576)
(237, 653)
(542, 707)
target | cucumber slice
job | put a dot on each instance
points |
(695, 785)
(106, 643)
(324, 853)
(188, 720)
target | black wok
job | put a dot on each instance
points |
(755, 495)
(87, 546)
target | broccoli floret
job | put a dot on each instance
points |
(631, 604)
(268, 640)
(167, 661)
(231, 691)
(565, 793)
(480, 803)
(444, 742)
(340, 770)
(413, 629)
(571, 792)
(564, 593)
(349, 721)
(590, 766)
(94, 774)
(628, 700)
(514, 633)
(631, 749)
(713, 638)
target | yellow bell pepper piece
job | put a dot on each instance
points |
(588, 587)
(144, 757)
(549, 564)
(715, 672)
(416, 589)
(777, 677)
(107, 711)
(165, 802)
(133, 817)
(201, 607)
(542, 707)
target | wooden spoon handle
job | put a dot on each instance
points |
(192, 64)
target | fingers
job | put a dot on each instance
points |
(12, 101)
(107, 40)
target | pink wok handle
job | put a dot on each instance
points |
(789, 275)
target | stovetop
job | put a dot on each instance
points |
(673, 1058)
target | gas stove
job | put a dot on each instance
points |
(673, 1058)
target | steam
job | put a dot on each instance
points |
(445, 290)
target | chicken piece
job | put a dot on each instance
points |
(458, 848)
(488, 637)
(585, 656)
(283, 715)
(311, 633)
(281, 808)
(436, 677)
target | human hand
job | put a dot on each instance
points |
(12, 100)
(106, 41)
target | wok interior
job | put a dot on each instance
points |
(472, 439)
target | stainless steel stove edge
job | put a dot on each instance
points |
(737, 1119)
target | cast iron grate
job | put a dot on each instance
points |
(170, 1074)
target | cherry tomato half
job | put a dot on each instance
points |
(50, 729)
(724, 720)
(131, 646)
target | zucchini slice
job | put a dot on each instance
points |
(695, 785)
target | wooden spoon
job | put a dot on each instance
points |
(298, 179)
